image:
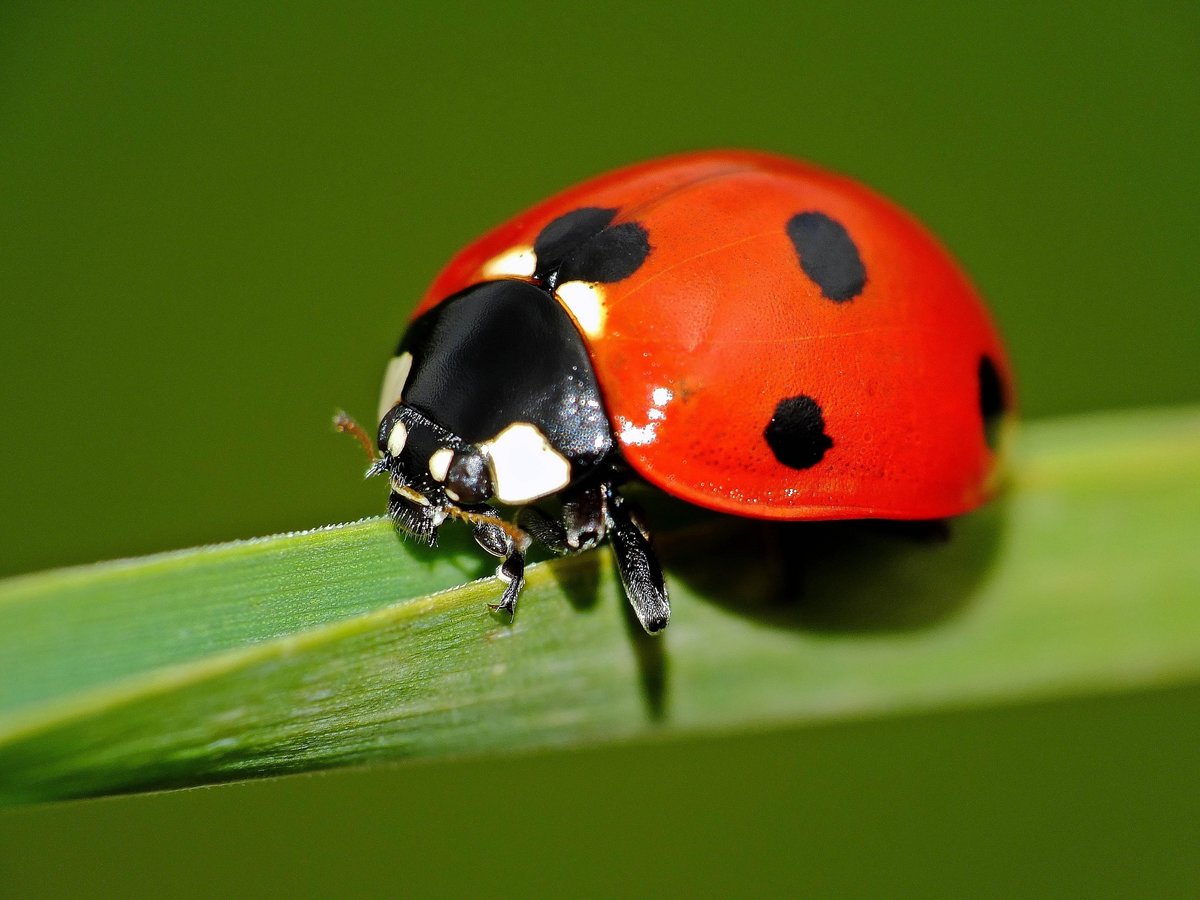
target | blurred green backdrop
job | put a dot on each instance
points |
(214, 219)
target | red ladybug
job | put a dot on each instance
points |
(746, 332)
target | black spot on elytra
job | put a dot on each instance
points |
(612, 255)
(796, 432)
(567, 233)
(827, 255)
(583, 245)
(993, 400)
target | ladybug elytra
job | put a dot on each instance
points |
(748, 333)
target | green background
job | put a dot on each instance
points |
(214, 220)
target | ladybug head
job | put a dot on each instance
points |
(431, 469)
(437, 469)
(491, 398)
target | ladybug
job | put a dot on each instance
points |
(746, 332)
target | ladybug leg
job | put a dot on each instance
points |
(640, 572)
(547, 531)
(584, 521)
(512, 570)
(582, 527)
(492, 537)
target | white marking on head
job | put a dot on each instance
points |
(439, 463)
(393, 382)
(397, 438)
(585, 301)
(524, 465)
(518, 262)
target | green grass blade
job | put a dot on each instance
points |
(345, 645)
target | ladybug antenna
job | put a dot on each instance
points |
(347, 425)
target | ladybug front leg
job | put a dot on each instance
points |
(496, 540)
(512, 571)
(640, 571)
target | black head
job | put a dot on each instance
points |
(492, 400)
(420, 454)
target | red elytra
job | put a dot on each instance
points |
(722, 322)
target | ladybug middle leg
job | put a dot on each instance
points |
(581, 526)
(591, 514)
